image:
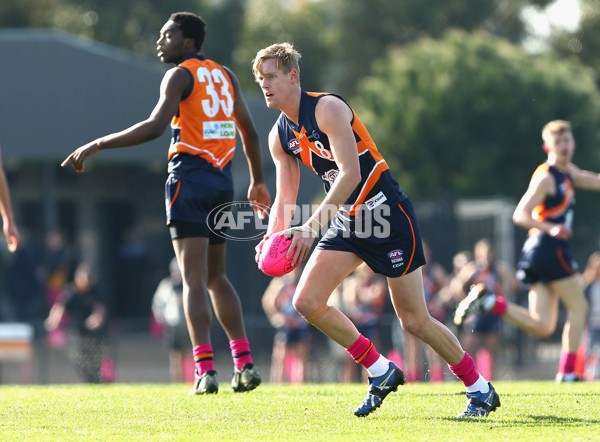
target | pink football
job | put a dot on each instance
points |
(272, 260)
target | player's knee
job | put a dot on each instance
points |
(582, 309)
(303, 305)
(545, 330)
(413, 325)
(308, 308)
(215, 278)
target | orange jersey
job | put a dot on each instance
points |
(204, 125)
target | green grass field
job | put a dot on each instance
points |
(530, 411)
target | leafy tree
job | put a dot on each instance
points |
(302, 23)
(584, 43)
(365, 30)
(463, 115)
(224, 26)
(133, 25)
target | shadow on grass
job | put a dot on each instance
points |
(530, 421)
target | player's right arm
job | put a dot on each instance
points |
(287, 174)
(175, 82)
(539, 188)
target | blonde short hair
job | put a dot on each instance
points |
(287, 57)
(555, 127)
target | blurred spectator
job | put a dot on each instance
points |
(453, 292)
(85, 304)
(58, 265)
(481, 334)
(591, 278)
(58, 268)
(167, 307)
(292, 340)
(364, 294)
(135, 281)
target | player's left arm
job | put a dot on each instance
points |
(258, 194)
(334, 117)
(584, 179)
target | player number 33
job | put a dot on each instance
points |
(217, 99)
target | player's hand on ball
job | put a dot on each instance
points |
(302, 240)
(259, 248)
(272, 258)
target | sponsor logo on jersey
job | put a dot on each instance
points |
(218, 130)
(375, 201)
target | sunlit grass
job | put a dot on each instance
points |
(530, 411)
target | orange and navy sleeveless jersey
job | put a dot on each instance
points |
(306, 142)
(558, 208)
(204, 125)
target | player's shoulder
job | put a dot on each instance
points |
(330, 107)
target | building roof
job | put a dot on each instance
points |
(59, 91)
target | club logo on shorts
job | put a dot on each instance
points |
(396, 258)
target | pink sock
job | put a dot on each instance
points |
(363, 352)
(567, 363)
(500, 307)
(465, 370)
(203, 358)
(240, 352)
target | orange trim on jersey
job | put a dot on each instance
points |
(542, 168)
(176, 194)
(539, 213)
(414, 239)
(307, 147)
(370, 182)
(364, 355)
(374, 152)
(563, 262)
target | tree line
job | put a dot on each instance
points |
(453, 99)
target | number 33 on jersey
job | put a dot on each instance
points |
(204, 125)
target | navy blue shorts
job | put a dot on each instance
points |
(545, 259)
(387, 240)
(188, 205)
